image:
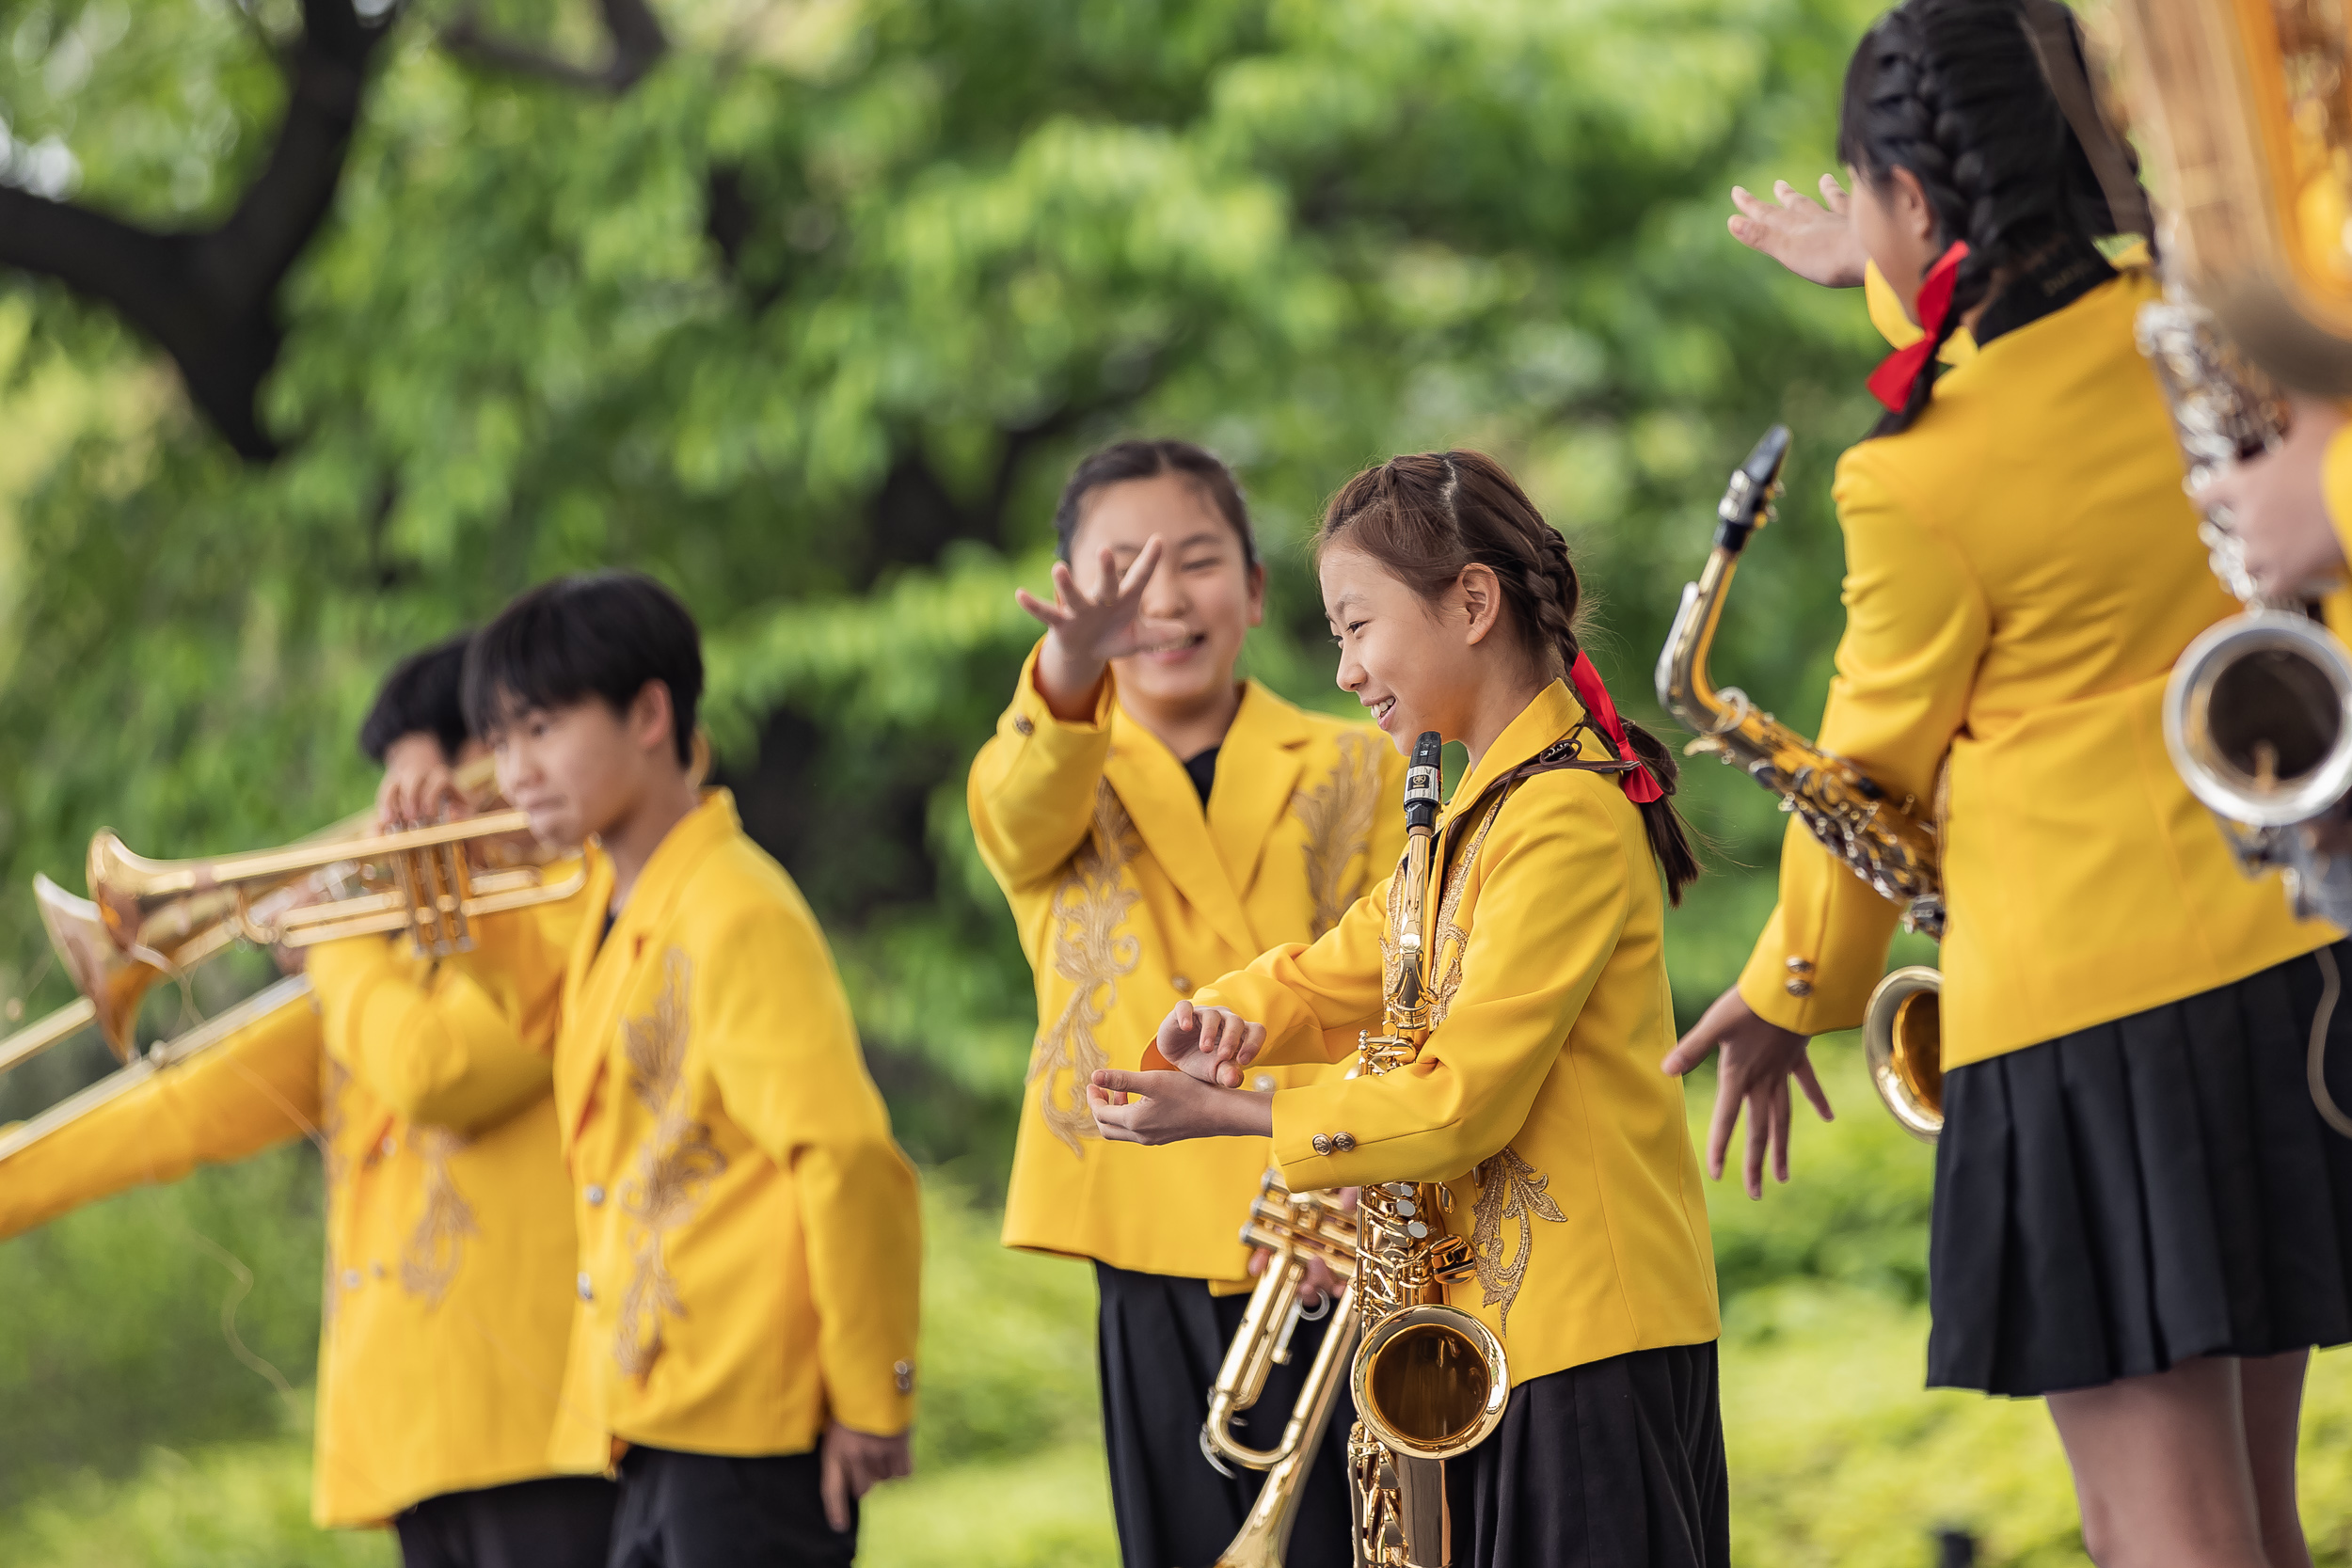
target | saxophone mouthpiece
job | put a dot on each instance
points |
(1421, 782)
(1748, 499)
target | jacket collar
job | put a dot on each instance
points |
(1551, 714)
(596, 981)
(1212, 857)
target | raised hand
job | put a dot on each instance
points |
(1083, 631)
(418, 787)
(1812, 239)
(1759, 1059)
(1211, 1044)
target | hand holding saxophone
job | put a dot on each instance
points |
(2277, 504)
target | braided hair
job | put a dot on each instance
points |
(1954, 91)
(1426, 518)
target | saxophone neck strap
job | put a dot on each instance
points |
(1564, 754)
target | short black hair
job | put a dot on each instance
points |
(1124, 460)
(422, 695)
(594, 634)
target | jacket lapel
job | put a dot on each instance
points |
(1160, 800)
(1257, 773)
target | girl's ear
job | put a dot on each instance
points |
(1912, 208)
(1482, 600)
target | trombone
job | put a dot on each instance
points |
(151, 920)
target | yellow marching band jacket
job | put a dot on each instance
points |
(1537, 1100)
(2023, 570)
(1127, 894)
(449, 1237)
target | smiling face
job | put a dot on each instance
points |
(1203, 582)
(1415, 665)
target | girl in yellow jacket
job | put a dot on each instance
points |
(1153, 820)
(1537, 1100)
(2139, 1214)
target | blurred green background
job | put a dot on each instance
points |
(807, 305)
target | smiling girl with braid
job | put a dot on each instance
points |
(1537, 1100)
(2138, 1214)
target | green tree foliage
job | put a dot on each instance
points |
(810, 320)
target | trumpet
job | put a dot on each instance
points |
(148, 921)
(1293, 1228)
(2252, 126)
(1889, 843)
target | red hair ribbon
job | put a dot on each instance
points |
(1900, 370)
(1640, 785)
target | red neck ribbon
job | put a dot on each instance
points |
(1640, 785)
(1900, 370)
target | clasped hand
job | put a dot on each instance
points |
(1203, 1098)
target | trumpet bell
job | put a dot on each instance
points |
(1902, 1038)
(109, 979)
(1430, 1381)
(2258, 718)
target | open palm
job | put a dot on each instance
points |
(1093, 628)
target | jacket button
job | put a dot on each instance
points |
(903, 1373)
(1343, 1142)
(595, 1195)
(1023, 723)
(1800, 966)
(1182, 984)
(351, 1279)
(1264, 1082)
(1320, 1143)
(387, 1146)
(587, 1291)
(1800, 988)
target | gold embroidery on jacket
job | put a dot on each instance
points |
(674, 1166)
(333, 1162)
(1508, 1189)
(1338, 816)
(430, 1260)
(1452, 942)
(1088, 906)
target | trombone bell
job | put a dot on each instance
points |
(1902, 1038)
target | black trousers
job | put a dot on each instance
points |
(715, 1511)
(556, 1522)
(1158, 1343)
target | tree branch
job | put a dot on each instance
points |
(208, 297)
(630, 27)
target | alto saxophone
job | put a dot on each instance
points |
(1430, 1381)
(1890, 845)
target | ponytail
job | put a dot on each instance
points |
(1424, 518)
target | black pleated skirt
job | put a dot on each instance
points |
(1617, 1464)
(2145, 1190)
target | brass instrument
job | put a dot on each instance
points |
(2252, 129)
(152, 920)
(1890, 845)
(1430, 1380)
(1293, 1228)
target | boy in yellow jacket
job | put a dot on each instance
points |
(428, 1087)
(743, 1343)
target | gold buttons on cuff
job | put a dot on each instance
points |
(903, 1371)
(1021, 722)
(1320, 1143)
(595, 1195)
(1342, 1143)
(1182, 984)
(1797, 985)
